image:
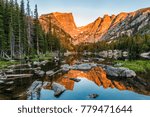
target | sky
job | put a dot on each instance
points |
(86, 11)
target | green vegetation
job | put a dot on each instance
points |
(47, 56)
(134, 45)
(41, 57)
(4, 64)
(136, 65)
(21, 33)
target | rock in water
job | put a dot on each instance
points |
(39, 73)
(119, 72)
(33, 91)
(85, 66)
(49, 72)
(75, 79)
(58, 89)
(93, 95)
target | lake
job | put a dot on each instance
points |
(93, 81)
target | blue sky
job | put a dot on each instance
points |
(86, 11)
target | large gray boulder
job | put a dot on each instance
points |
(85, 66)
(58, 89)
(119, 72)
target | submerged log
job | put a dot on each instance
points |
(19, 75)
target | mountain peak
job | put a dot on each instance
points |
(108, 27)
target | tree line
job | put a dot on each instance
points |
(134, 45)
(21, 33)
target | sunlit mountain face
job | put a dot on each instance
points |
(107, 27)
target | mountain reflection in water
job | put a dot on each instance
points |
(96, 81)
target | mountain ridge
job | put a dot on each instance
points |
(107, 27)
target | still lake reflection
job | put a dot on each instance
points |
(85, 87)
(95, 81)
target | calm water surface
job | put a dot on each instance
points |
(106, 88)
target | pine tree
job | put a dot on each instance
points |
(29, 30)
(2, 36)
(36, 30)
(7, 23)
(24, 43)
(16, 27)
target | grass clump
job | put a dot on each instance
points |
(136, 65)
(4, 64)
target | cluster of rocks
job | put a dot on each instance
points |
(38, 63)
(110, 70)
(33, 91)
(113, 53)
(118, 71)
(83, 66)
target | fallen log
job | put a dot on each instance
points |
(19, 65)
(24, 69)
(52, 74)
(19, 75)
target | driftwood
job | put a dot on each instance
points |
(24, 69)
(16, 76)
(19, 65)
(19, 75)
(52, 74)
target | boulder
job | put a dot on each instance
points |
(58, 89)
(49, 72)
(36, 63)
(3, 75)
(93, 95)
(46, 85)
(119, 72)
(74, 67)
(39, 73)
(33, 91)
(44, 62)
(65, 67)
(84, 66)
(124, 54)
(93, 64)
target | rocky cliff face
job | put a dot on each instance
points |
(108, 27)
